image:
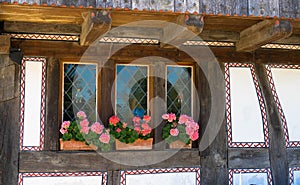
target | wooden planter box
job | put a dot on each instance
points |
(180, 144)
(139, 144)
(75, 145)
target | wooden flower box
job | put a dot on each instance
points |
(139, 144)
(75, 145)
(180, 144)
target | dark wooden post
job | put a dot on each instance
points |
(277, 150)
(52, 98)
(9, 120)
(214, 158)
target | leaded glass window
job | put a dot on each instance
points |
(79, 90)
(179, 93)
(131, 91)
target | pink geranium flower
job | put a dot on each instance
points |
(65, 124)
(172, 117)
(97, 128)
(124, 125)
(84, 123)
(183, 119)
(165, 116)
(174, 132)
(194, 136)
(136, 120)
(104, 138)
(63, 130)
(81, 115)
(147, 118)
(137, 129)
(118, 130)
(114, 120)
(85, 130)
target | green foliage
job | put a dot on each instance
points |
(182, 136)
(73, 132)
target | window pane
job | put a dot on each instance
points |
(250, 178)
(296, 177)
(131, 91)
(246, 117)
(179, 94)
(287, 84)
(79, 90)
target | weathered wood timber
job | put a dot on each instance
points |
(293, 157)
(262, 33)
(92, 161)
(106, 78)
(94, 25)
(9, 120)
(248, 158)
(4, 44)
(132, 52)
(279, 8)
(189, 27)
(278, 153)
(52, 94)
(41, 28)
(214, 157)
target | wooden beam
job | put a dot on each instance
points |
(41, 28)
(248, 158)
(95, 24)
(188, 27)
(47, 161)
(4, 44)
(277, 149)
(264, 32)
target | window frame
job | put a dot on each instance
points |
(61, 88)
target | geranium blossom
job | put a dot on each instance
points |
(136, 120)
(194, 136)
(63, 130)
(65, 124)
(85, 130)
(147, 118)
(124, 125)
(170, 117)
(183, 119)
(137, 129)
(104, 138)
(174, 132)
(84, 123)
(97, 128)
(81, 115)
(114, 120)
(118, 130)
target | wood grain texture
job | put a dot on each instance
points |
(25, 27)
(248, 158)
(264, 32)
(263, 8)
(293, 157)
(214, 157)
(92, 161)
(278, 154)
(52, 123)
(9, 125)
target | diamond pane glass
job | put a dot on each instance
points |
(79, 92)
(131, 91)
(179, 94)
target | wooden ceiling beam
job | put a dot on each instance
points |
(264, 32)
(41, 28)
(95, 24)
(187, 28)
